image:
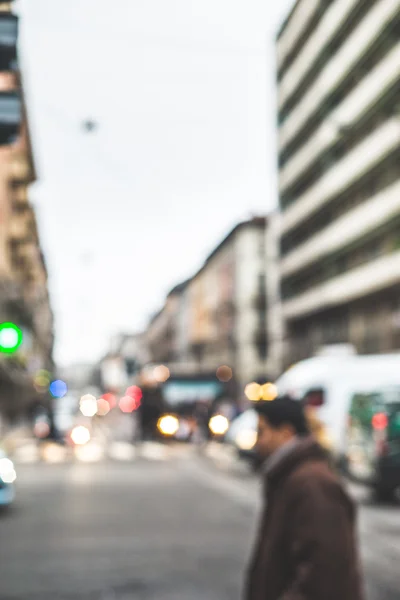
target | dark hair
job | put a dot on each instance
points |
(284, 411)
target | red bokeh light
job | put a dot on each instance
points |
(127, 404)
(135, 392)
(380, 421)
(111, 399)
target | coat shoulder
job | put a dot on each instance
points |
(316, 477)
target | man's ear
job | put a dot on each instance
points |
(288, 431)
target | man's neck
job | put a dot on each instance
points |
(280, 453)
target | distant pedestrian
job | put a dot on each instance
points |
(306, 546)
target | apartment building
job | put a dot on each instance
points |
(338, 67)
(219, 316)
(24, 298)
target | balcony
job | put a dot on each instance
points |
(20, 196)
(198, 350)
(361, 221)
(344, 173)
(260, 302)
(261, 343)
(9, 291)
(355, 106)
(356, 45)
(329, 27)
(19, 228)
(373, 277)
(20, 170)
(304, 12)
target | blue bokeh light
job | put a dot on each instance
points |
(58, 388)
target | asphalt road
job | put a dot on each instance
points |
(168, 526)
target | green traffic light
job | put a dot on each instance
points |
(10, 338)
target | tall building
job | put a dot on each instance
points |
(219, 316)
(24, 298)
(339, 175)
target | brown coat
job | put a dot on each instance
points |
(306, 548)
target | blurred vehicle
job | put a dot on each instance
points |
(373, 440)
(242, 435)
(7, 479)
(334, 387)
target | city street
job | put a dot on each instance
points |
(170, 525)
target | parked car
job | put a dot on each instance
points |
(373, 440)
(7, 479)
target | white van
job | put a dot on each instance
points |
(344, 390)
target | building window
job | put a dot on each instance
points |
(384, 175)
(381, 243)
(377, 51)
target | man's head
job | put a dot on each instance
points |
(279, 422)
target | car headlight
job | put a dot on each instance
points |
(246, 440)
(168, 425)
(7, 470)
(218, 425)
(80, 435)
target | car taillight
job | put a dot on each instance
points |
(380, 421)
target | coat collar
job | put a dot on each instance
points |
(290, 456)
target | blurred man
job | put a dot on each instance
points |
(306, 547)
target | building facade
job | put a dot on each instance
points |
(219, 316)
(24, 298)
(339, 175)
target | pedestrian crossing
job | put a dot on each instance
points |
(93, 452)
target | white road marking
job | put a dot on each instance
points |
(90, 453)
(244, 492)
(122, 451)
(26, 454)
(154, 451)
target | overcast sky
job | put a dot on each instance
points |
(183, 94)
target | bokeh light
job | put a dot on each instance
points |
(269, 391)
(41, 429)
(127, 404)
(253, 392)
(135, 392)
(246, 439)
(10, 338)
(224, 373)
(103, 408)
(80, 435)
(218, 425)
(88, 405)
(41, 381)
(7, 470)
(58, 388)
(168, 425)
(380, 421)
(110, 398)
(161, 373)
